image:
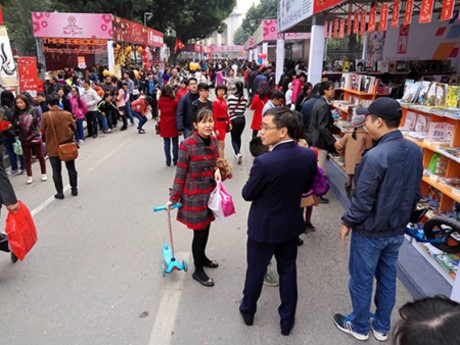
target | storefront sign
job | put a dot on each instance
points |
(408, 14)
(292, 12)
(28, 75)
(321, 5)
(383, 17)
(372, 15)
(226, 49)
(395, 14)
(75, 41)
(362, 29)
(447, 9)
(75, 50)
(154, 38)
(356, 23)
(342, 28)
(72, 25)
(426, 11)
(128, 31)
(403, 39)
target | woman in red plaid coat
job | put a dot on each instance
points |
(196, 177)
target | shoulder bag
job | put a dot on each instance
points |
(67, 151)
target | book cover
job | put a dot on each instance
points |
(441, 95)
(411, 91)
(383, 66)
(423, 92)
(422, 123)
(431, 95)
(355, 82)
(452, 96)
(437, 131)
(411, 120)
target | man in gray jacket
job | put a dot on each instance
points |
(92, 99)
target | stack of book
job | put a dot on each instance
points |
(433, 94)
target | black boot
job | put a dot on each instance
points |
(59, 188)
(73, 177)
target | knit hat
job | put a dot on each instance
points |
(358, 120)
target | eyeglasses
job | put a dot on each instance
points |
(267, 128)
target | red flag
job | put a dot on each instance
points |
(395, 14)
(342, 27)
(179, 45)
(408, 14)
(362, 29)
(447, 9)
(356, 23)
(426, 11)
(383, 17)
(372, 15)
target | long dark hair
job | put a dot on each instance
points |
(7, 99)
(239, 89)
(78, 95)
(22, 97)
(31, 100)
(263, 90)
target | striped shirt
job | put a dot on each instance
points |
(236, 106)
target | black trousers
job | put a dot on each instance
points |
(91, 122)
(238, 124)
(199, 242)
(258, 257)
(56, 166)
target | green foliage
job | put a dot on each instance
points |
(267, 9)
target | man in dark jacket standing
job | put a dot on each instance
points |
(184, 115)
(319, 132)
(387, 190)
(276, 182)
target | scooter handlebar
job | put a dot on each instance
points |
(164, 208)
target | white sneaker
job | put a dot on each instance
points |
(377, 335)
(30, 179)
(239, 158)
(44, 177)
(80, 142)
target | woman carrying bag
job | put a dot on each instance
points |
(237, 104)
(195, 179)
(58, 127)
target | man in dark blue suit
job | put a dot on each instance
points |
(276, 182)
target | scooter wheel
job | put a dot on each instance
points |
(184, 265)
(163, 271)
(449, 228)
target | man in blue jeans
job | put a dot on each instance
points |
(387, 190)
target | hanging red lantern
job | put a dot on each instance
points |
(146, 66)
(145, 59)
(144, 53)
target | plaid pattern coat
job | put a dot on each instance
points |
(194, 181)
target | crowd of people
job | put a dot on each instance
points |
(292, 133)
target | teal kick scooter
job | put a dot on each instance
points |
(170, 263)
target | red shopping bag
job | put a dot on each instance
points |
(21, 231)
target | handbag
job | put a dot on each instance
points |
(67, 151)
(220, 202)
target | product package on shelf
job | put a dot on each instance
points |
(367, 84)
(452, 96)
(452, 152)
(440, 133)
(437, 94)
(423, 92)
(411, 91)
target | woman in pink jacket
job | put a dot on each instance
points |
(297, 85)
(79, 109)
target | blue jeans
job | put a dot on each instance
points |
(13, 157)
(369, 258)
(187, 132)
(167, 148)
(79, 135)
(142, 119)
(104, 123)
(129, 112)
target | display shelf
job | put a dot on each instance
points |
(421, 248)
(337, 163)
(452, 193)
(362, 94)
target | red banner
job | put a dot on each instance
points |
(395, 14)
(349, 24)
(28, 75)
(362, 29)
(356, 23)
(426, 11)
(342, 28)
(403, 39)
(383, 17)
(326, 29)
(408, 14)
(335, 27)
(372, 15)
(447, 9)
(321, 5)
(127, 31)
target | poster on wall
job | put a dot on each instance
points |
(28, 75)
(8, 73)
(426, 11)
(403, 39)
(447, 9)
(395, 14)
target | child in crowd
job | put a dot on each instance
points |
(353, 144)
(105, 109)
(41, 99)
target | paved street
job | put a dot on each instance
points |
(94, 278)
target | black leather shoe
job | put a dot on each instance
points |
(207, 283)
(59, 196)
(211, 264)
(299, 241)
(247, 319)
(323, 200)
(74, 191)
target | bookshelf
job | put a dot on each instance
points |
(440, 183)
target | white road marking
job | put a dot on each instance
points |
(163, 327)
(48, 201)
